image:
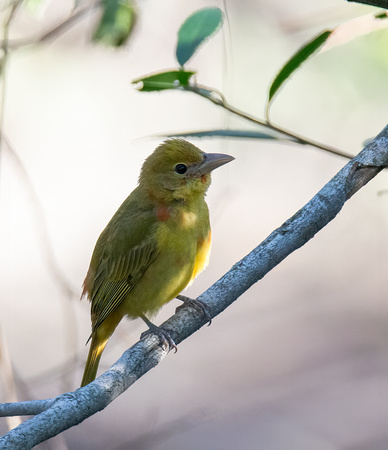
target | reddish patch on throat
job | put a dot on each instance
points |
(162, 213)
(204, 178)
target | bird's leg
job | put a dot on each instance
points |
(197, 304)
(163, 334)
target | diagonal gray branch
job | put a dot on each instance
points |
(72, 408)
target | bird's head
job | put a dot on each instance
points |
(178, 170)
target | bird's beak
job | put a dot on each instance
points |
(210, 162)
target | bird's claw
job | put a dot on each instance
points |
(197, 304)
(163, 335)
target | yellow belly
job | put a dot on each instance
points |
(181, 257)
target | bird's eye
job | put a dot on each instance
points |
(181, 169)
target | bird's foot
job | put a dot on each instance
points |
(163, 334)
(197, 304)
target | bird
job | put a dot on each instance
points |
(154, 246)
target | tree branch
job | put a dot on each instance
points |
(72, 408)
(27, 408)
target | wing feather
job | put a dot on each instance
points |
(119, 260)
(122, 278)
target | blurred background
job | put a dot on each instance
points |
(300, 361)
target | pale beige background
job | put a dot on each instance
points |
(301, 360)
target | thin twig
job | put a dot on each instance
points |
(57, 30)
(8, 379)
(4, 64)
(66, 24)
(41, 224)
(5, 360)
(52, 266)
(218, 99)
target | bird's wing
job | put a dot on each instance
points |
(123, 255)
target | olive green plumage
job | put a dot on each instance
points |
(156, 243)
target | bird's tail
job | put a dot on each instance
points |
(95, 351)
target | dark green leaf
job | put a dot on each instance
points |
(378, 3)
(116, 23)
(196, 29)
(226, 133)
(164, 80)
(300, 57)
(382, 15)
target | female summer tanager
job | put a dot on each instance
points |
(157, 242)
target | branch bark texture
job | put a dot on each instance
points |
(72, 408)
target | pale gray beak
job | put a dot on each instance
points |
(211, 161)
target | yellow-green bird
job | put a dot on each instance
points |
(156, 243)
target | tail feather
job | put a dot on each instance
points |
(94, 356)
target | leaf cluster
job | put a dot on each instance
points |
(202, 25)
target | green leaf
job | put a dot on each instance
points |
(173, 79)
(226, 133)
(382, 15)
(116, 23)
(196, 30)
(300, 57)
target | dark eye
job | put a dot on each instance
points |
(181, 169)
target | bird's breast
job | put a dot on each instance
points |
(183, 244)
(179, 218)
(163, 213)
